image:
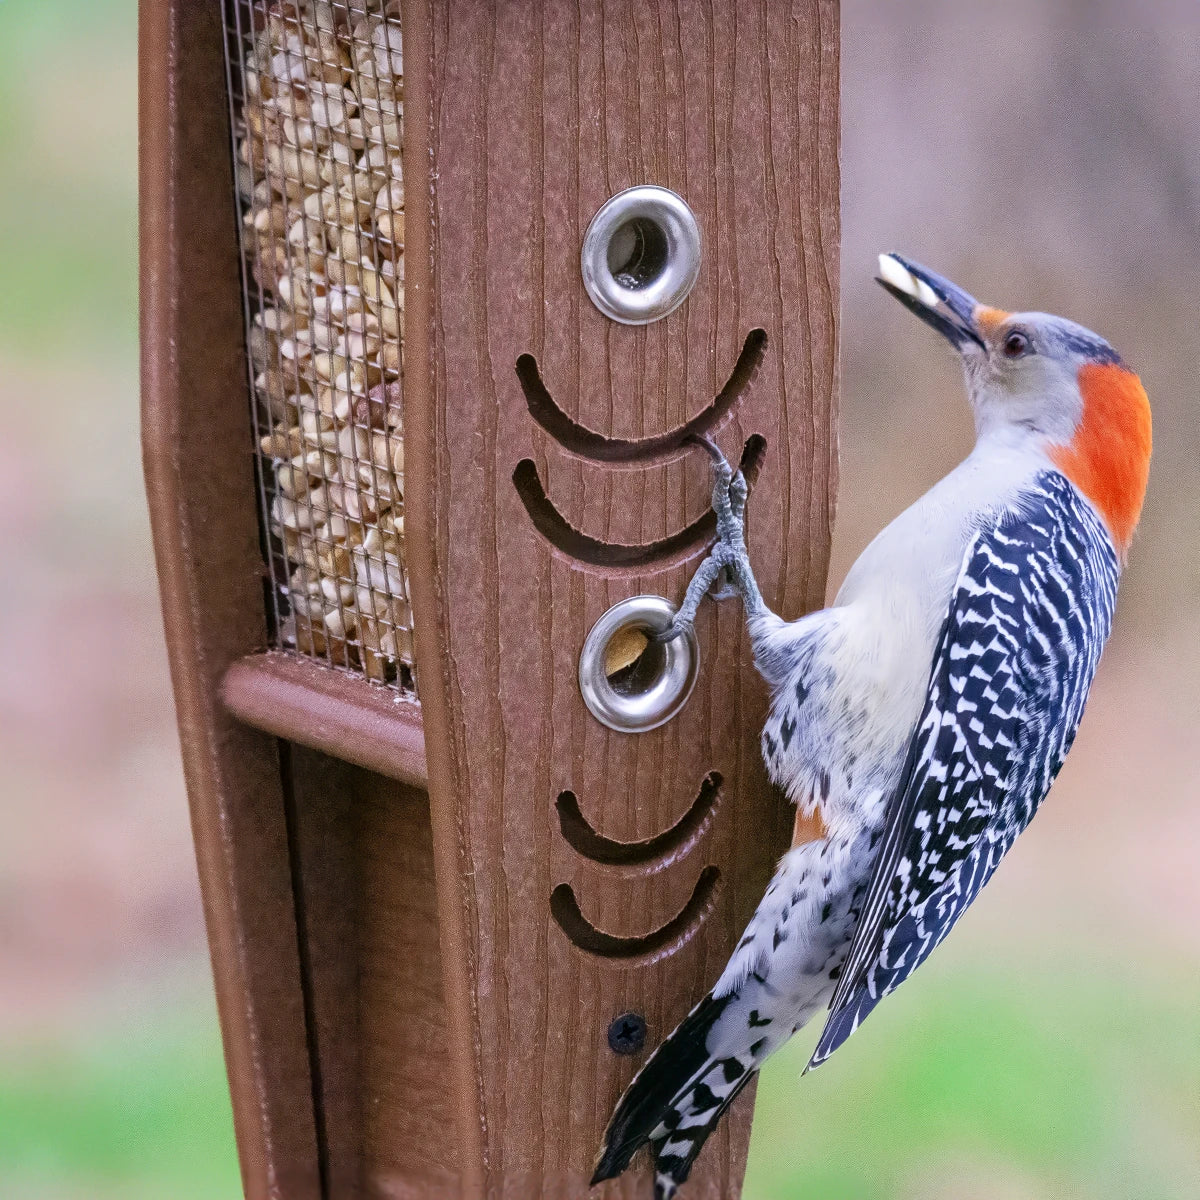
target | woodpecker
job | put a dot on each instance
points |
(918, 722)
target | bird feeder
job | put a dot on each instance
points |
(426, 326)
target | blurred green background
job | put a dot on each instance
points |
(1052, 1049)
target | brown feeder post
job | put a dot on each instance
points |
(464, 866)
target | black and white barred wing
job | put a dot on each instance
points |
(1030, 614)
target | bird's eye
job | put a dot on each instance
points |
(1016, 344)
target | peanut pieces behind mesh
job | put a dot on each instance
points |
(320, 176)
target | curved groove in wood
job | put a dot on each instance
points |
(576, 544)
(644, 949)
(657, 852)
(587, 443)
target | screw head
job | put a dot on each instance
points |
(627, 1033)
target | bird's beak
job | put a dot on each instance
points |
(937, 301)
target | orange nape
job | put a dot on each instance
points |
(1108, 459)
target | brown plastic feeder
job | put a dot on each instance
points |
(446, 931)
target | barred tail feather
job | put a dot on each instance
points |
(674, 1101)
(781, 973)
(699, 1110)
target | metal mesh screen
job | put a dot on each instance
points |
(316, 99)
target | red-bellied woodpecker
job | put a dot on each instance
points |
(917, 723)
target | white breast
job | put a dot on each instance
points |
(867, 662)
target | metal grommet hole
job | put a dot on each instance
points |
(641, 255)
(629, 681)
(637, 253)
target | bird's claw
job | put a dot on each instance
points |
(677, 628)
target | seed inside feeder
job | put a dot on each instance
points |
(322, 187)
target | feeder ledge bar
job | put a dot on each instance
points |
(328, 710)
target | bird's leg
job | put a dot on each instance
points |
(728, 556)
(685, 617)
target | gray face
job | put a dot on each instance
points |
(1021, 369)
(1026, 373)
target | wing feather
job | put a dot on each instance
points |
(1028, 618)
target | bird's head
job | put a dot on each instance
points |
(1037, 377)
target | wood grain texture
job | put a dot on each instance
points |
(363, 856)
(201, 490)
(410, 1136)
(531, 115)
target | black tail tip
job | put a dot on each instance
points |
(608, 1166)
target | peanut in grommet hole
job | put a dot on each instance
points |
(629, 681)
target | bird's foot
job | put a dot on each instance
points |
(727, 589)
(730, 490)
(726, 570)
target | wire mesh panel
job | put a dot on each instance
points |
(317, 107)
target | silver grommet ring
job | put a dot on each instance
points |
(641, 255)
(630, 683)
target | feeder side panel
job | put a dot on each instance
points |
(201, 489)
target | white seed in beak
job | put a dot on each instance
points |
(893, 271)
